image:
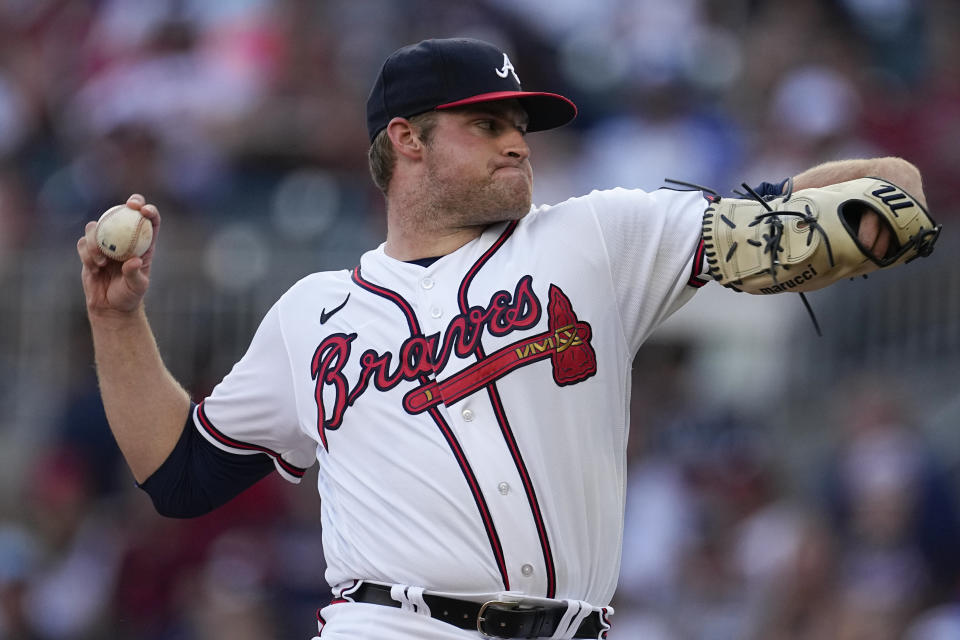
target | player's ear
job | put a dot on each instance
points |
(405, 138)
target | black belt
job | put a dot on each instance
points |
(495, 618)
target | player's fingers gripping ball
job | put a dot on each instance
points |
(123, 233)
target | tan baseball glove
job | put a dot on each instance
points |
(807, 240)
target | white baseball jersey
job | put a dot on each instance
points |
(470, 418)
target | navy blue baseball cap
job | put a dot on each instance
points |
(442, 74)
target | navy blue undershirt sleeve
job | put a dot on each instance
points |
(197, 477)
(765, 189)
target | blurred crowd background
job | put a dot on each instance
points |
(781, 485)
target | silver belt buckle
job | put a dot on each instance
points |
(483, 610)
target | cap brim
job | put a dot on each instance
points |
(546, 110)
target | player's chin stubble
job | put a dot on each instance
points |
(464, 203)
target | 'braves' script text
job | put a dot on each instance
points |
(418, 355)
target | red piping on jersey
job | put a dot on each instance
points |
(393, 297)
(468, 474)
(697, 269)
(467, 279)
(477, 494)
(505, 423)
(606, 620)
(345, 593)
(527, 486)
(237, 444)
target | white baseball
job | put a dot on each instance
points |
(123, 233)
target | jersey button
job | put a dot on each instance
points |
(467, 415)
(427, 283)
(527, 570)
(503, 488)
(436, 312)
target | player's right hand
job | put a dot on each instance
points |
(111, 286)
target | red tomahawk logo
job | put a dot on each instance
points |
(566, 342)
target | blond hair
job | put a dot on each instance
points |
(383, 159)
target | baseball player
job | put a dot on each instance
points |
(464, 389)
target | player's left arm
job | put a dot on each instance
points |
(871, 233)
(836, 220)
(895, 170)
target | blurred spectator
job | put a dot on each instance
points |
(68, 593)
(939, 623)
(160, 112)
(171, 563)
(15, 208)
(18, 562)
(662, 137)
(922, 121)
(14, 115)
(81, 426)
(230, 599)
(896, 515)
(800, 603)
(895, 33)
